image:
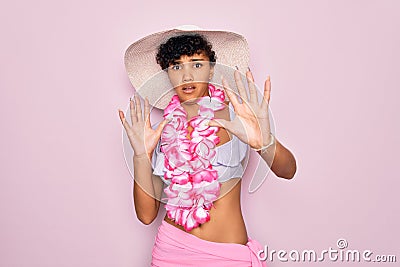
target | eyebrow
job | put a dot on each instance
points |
(192, 60)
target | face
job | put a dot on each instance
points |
(190, 76)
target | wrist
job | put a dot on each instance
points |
(268, 144)
(142, 156)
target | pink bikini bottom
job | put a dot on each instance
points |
(174, 248)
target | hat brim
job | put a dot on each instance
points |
(230, 48)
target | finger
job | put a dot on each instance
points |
(147, 112)
(138, 108)
(227, 125)
(231, 95)
(161, 127)
(240, 86)
(267, 93)
(219, 123)
(252, 87)
(123, 120)
(121, 115)
(132, 110)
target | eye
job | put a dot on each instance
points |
(198, 65)
(176, 67)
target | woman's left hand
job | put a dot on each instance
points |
(251, 123)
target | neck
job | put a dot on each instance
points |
(191, 106)
(191, 109)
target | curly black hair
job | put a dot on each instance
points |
(185, 44)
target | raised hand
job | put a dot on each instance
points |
(251, 123)
(141, 135)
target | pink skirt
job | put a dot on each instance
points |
(174, 248)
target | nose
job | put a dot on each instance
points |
(187, 75)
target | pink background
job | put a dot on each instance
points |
(65, 190)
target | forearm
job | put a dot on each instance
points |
(280, 160)
(146, 204)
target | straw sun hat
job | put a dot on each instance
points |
(151, 81)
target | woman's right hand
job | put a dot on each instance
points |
(141, 135)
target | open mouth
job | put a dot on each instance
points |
(188, 89)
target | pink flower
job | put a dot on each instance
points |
(203, 148)
(173, 104)
(170, 135)
(199, 163)
(179, 195)
(216, 102)
(206, 112)
(218, 94)
(209, 191)
(201, 127)
(207, 175)
(189, 206)
(179, 124)
(201, 215)
(176, 156)
(178, 176)
(190, 222)
(199, 123)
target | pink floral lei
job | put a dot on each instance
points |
(194, 185)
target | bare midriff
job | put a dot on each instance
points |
(226, 224)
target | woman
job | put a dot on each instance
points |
(203, 225)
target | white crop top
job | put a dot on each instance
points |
(227, 161)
